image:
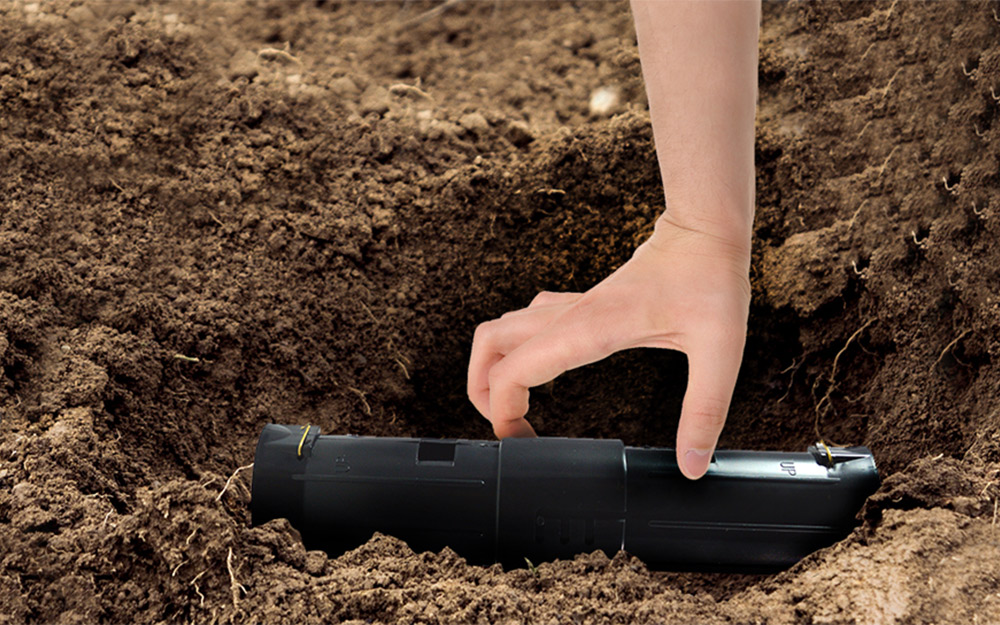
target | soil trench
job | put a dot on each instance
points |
(214, 216)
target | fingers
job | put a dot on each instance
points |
(713, 365)
(571, 341)
(518, 428)
(562, 331)
(494, 339)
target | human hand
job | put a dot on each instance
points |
(683, 289)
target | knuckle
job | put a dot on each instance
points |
(472, 389)
(543, 298)
(497, 376)
(485, 332)
(708, 420)
(503, 379)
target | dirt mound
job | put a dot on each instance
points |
(214, 216)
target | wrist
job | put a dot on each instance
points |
(730, 237)
(715, 201)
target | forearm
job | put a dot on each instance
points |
(699, 63)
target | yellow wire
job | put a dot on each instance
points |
(306, 433)
(828, 454)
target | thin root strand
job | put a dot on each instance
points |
(230, 481)
(402, 89)
(831, 378)
(950, 346)
(234, 586)
(194, 582)
(361, 395)
(429, 15)
(406, 373)
(277, 54)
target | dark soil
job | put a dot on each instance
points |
(216, 216)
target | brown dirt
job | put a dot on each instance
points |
(202, 231)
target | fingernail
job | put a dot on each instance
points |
(696, 461)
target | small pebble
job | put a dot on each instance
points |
(605, 101)
(519, 134)
(343, 87)
(375, 99)
(474, 123)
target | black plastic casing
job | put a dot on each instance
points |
(548, 498)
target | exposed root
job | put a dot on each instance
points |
(949, 347)
(885, 163)
(194, 582)
(234, 586)
(216, 219)
(854, 217)
(836, 359)
(863, 129)
(429, 15)
(549, 192)
(790, 367)
(402, 89)
(885, 89)
(982, 493)
(793, 368)
(831, 378)
(369, 311)
(862, 273)
(230, 480)
(867, 50)
(361, 394)
(888, 12)
(403, 367)
(278, 54)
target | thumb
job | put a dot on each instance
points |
(712, 371)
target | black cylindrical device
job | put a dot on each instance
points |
(540, 499)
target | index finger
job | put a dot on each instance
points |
(569, 342)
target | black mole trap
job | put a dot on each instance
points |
(546, 498)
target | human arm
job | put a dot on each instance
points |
(687, 287)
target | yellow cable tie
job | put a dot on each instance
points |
(304, 435)
(821, 442)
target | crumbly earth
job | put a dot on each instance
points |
(214, 216)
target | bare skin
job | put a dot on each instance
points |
(687, 287)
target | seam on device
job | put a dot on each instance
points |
(496, 522)
(625, 498)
